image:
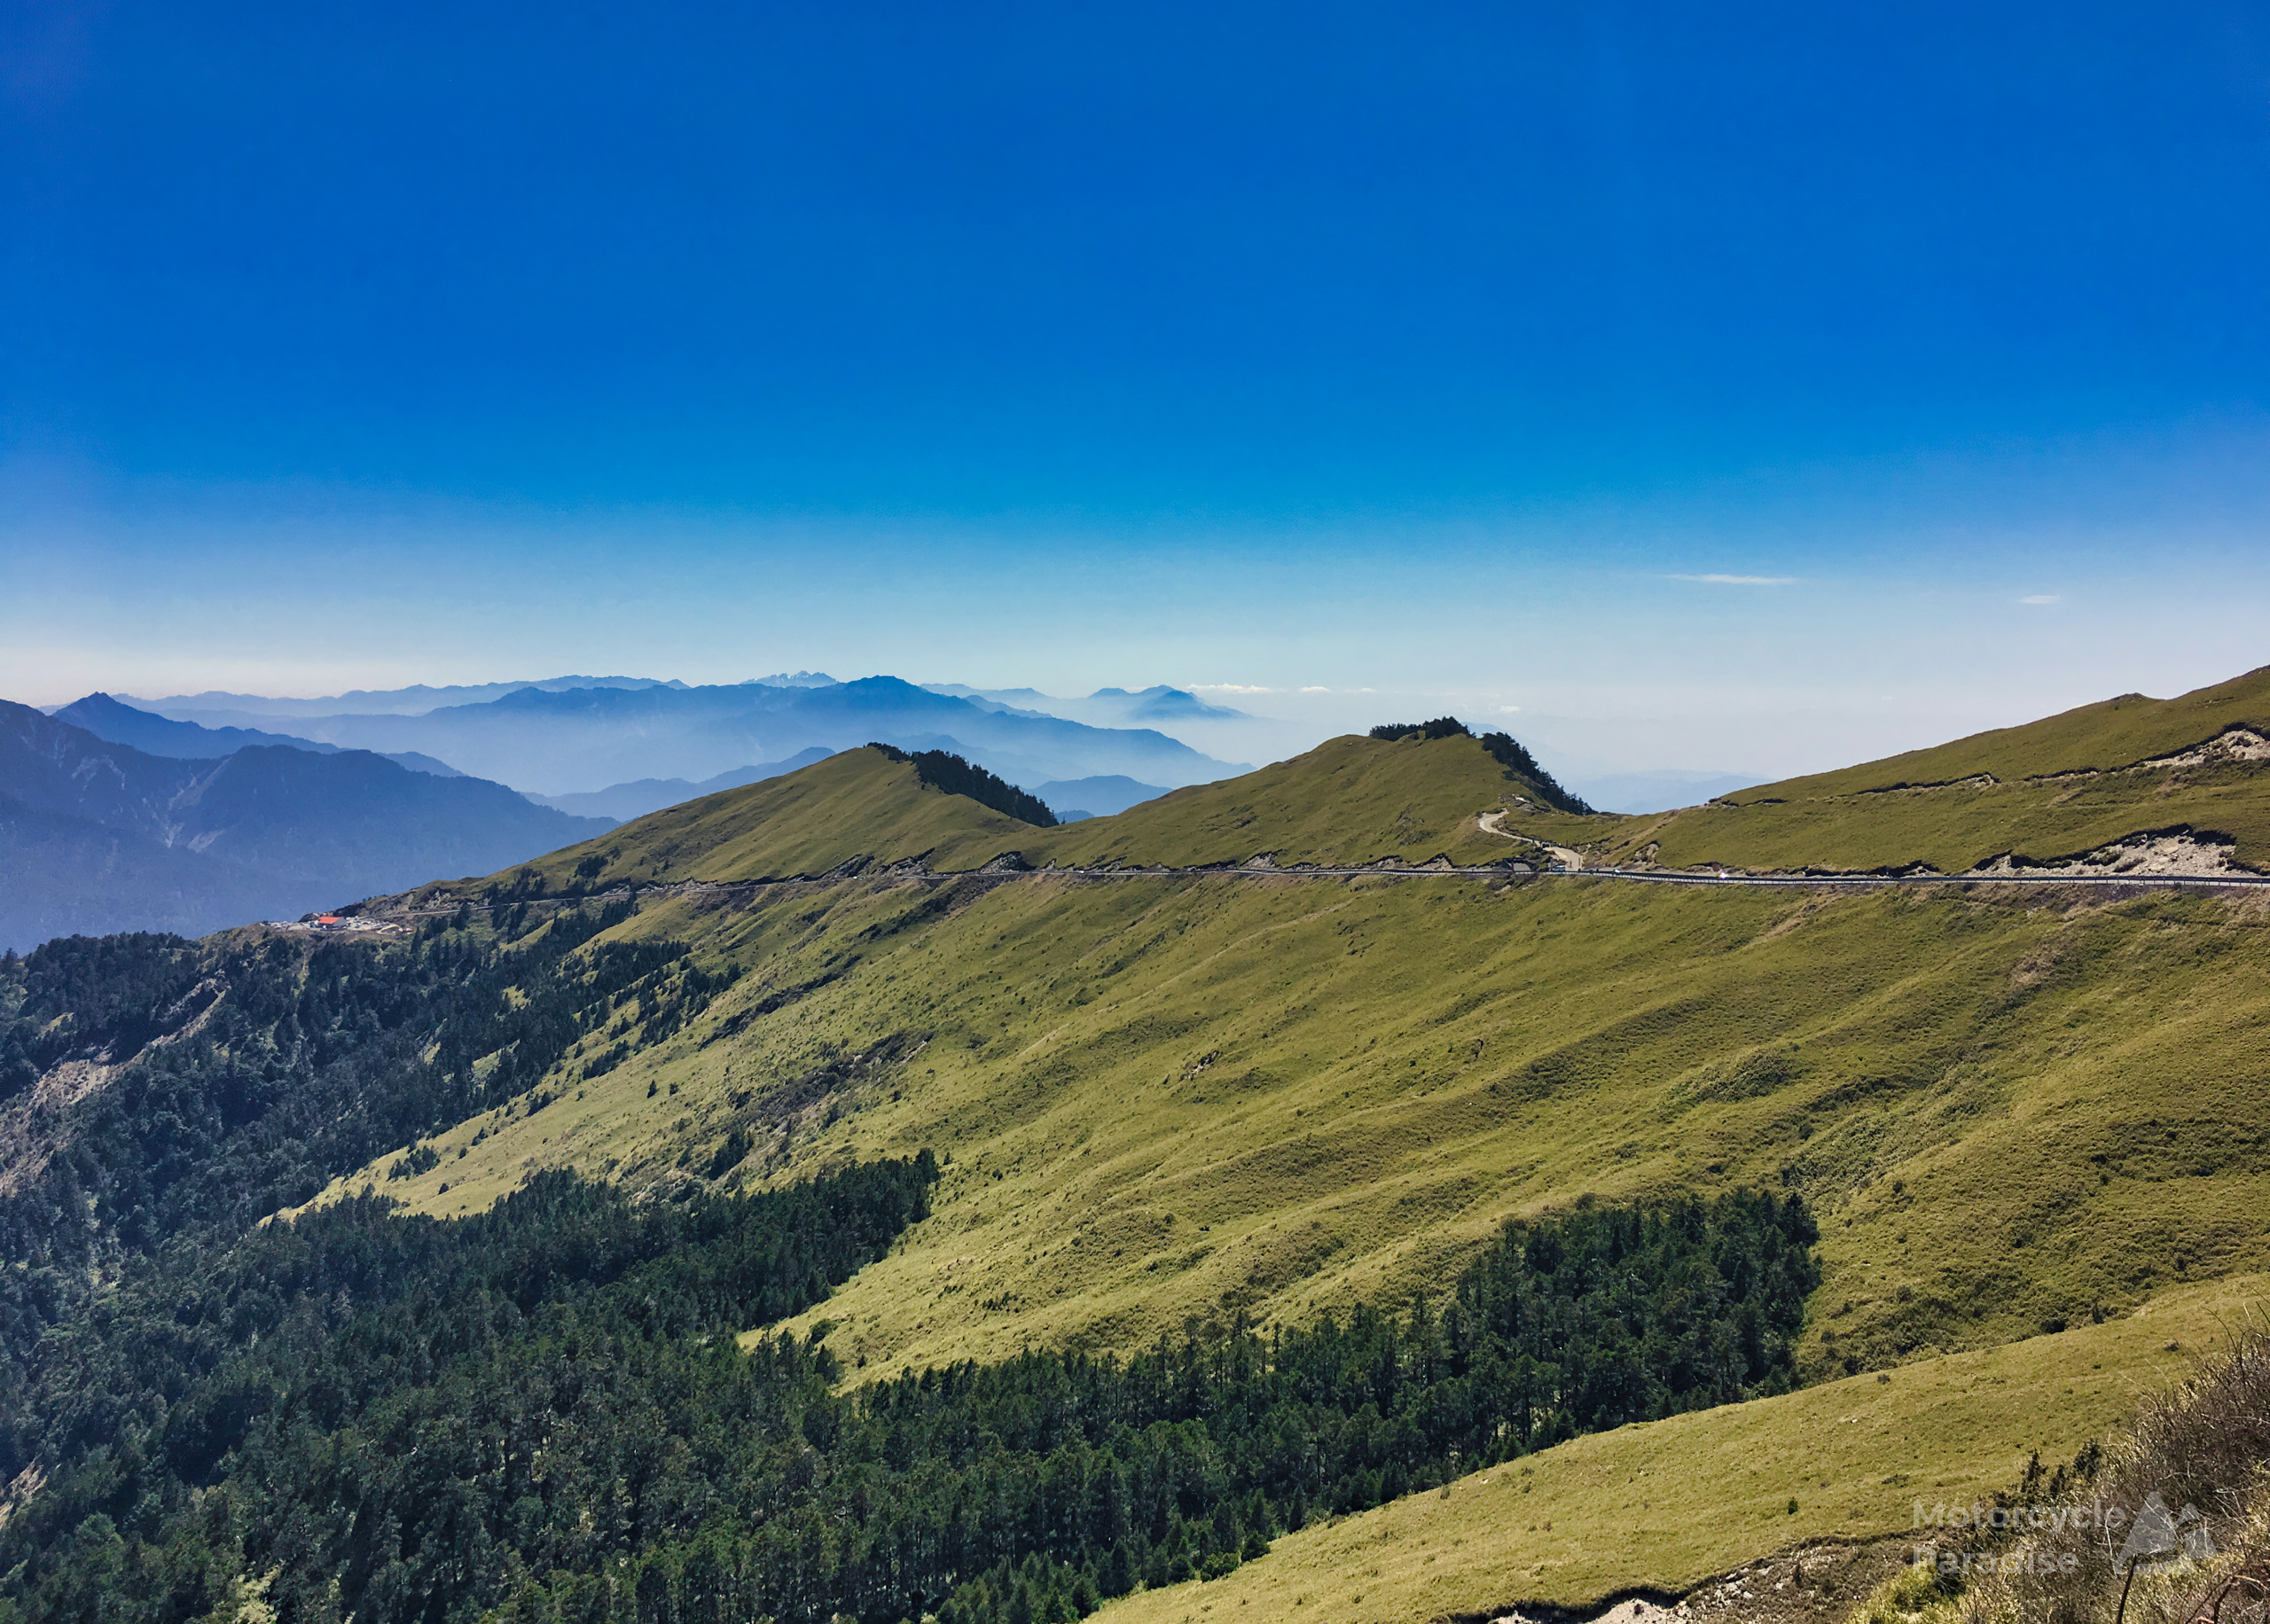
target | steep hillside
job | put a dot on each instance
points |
(1346, 1083)
(1669, 1504)
(1350, 800)
(2130, 785)
(2099, 737)
(1171, 1098)
(1206, 1102)
(857, 804)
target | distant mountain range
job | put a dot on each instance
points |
(153, 735)
(1073, 798)
(624, 802)
(1105, 707)
(97, 836)
(1659, 790)
(554, 741)
(218, 709)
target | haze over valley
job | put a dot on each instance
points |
(1172, 815)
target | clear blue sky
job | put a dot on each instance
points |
(999, 342)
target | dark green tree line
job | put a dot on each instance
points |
(542, 1414)
(251, 1071)
(1508, 752)
(950, 773)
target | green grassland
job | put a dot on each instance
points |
(1165, 1101)
(2091, 739)
(855, 804)
(2050, 790)
(1349, 801)
(1668, 1504)
(1166, 1098)
(1961, 827)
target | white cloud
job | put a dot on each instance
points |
(1738, 581)
(1316, 690)
(1230, 688)
(1507, 710)
(2042, 597)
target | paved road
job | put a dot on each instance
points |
(1660, 877)
(1000, 875)
(2156, 881)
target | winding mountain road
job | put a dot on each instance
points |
(1003, 872)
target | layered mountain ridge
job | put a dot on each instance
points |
(554, 739)
(1240, 1062)
(101, 837)
(154, 735)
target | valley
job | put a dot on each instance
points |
(1134, 814)
(1292, 1049)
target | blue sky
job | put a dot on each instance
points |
(1439, 351)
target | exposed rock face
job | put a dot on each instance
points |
(2177, 855)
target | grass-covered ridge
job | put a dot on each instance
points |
(1224, 1104)
(857, 804)
(2111, 733)
(951, 774)
(2195, 768)
(1508, 751)
(1348, 800)
(2099, 784)
(1159, 1098)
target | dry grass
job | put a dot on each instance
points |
(2202, 1451)
(1671, 1504)
(1166, 1099)
(2006, 1110)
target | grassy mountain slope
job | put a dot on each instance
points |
(1350, 800)
(2051, 791)
(855, 804)
(2111, 733)
(1271, 1095)
(1166, 1098)
(1167, 1102)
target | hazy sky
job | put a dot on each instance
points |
(1747, 387)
